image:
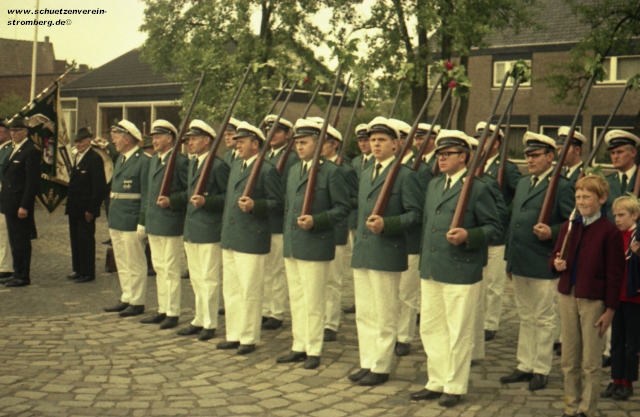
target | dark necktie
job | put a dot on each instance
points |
(624, 182)
(304, 169)
(364, 161)
(271, 154)
(377, 173)
(75, 160)
(124, 158)
(244, 165)
(534, 182)
(447, 185)
(195, 166)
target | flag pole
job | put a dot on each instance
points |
(34, 56)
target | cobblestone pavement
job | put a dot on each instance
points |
(60, 355)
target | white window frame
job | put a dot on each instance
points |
(613, 69)
(496, 83)
(70, 129)
(126, 104)
(542, 127)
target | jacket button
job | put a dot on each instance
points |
(438, 212)
(522, 209)
(368, 199)
(433, 248)
(364, 236)
(433, 230)
(232, 222)
(293, 228)
(298, 193)
(295, 210)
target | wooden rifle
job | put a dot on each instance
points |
(547, 204)
(201, 186)
(307, 205)
(273, 105)
(395, 102)
(436, 167)
(423, 148)
(502, 168)
(347, 134)
(336, 119)
(266, 146)
(287, 151)
(165, 189)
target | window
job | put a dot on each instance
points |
(141, 114)
(501, 67)
(552, 131)
(108, 116)
(70, 116)
(515, 148)
(602, 157)
(620, 68)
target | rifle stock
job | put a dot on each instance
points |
(287, 151)
(347, 134)
(257, 165)
(307, 204)
(547, 204)
(165, 188)
(208, 162)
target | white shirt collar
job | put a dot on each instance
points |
(250, 160)
(130, 153)
(334, 158)
(79, 156)
(455, 177)
(543, 175)
(407, 157)
(629, 173)
(384, 164)
(428, 156)
(163, 156)
(490, 161)
(202, 157)
(586, 221)
(573, 169)
(276, 151)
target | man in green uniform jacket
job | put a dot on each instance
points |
(573, 165)
(622, 150)
(231, 154)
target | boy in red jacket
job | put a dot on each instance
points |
(589, 293)
(625, 337)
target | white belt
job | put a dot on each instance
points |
(125, 196)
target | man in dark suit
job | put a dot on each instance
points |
(87, 184)
(6, 147)
(20, 183)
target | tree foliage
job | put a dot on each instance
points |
(10, 105)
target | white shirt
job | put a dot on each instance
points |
(542, 176)
(274, 152)
(629, 173)
(163, 156)
(384, 164)
(454, 178)
(490, 161)
(573, 169)
(248, 162)
(17, 146)
(407, 157)
(426, 158)
(129, 154)
(200, 159)
(79, 156)
(334, 158)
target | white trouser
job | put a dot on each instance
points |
(6, 261)
(495, 277)
(204, 261)
(478, 324)
(243, 283)
(131, 262)
(307, 282)
(447, 332)
(409, 296)
(275, 281)
(607, 344)
(339, 272)
(376, 295)
(536, 302)
(165, 255)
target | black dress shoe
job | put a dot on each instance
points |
(132, 311)
(292, 357)
(169, 323)
(18, 283)
(359, 375)
(207, 334)
(221, 311)
(557, 348)
(85, 278)
(538, 381)
(185, 276)
(151, 272)
(189, 330)
(5, 280)
(609, 391)
(227, 345)
(517, 376)
(489, 335)
(312, 362)
(272, 324)
(330, 335)
(606, 361)
(116, 308)
(244, 349)
(6, 274)
(264, 319)
(107, 242)
(418, 319)
(402, 349)
(372, 379)
(424, 394)
(156, 318)
(622, 393)
(75, 275)
(448, 400)
(350, 310)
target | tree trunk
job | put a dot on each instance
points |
(446, 48)
(461, 119)
(420, 89)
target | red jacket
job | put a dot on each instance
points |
(601, 261)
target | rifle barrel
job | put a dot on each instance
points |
(347, 135)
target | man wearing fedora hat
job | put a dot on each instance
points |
(87, 184)
(6, 262)
(164, 223)
(127, 218)
(622, 151)
(20, 184)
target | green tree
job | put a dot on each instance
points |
(11, 104)
(613, 29)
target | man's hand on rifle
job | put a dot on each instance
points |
(197, 200)
(163, 202)
(305, 222)
(542, 231)
(457, 236)
(245, 204)
(375, 224)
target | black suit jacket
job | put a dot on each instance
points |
(87, 186)
(21, 180)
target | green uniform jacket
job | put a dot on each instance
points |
(228, 157)
(5, 152)
(387, 251)
(574, 176)
(130, 177)
(276, 222)
(615, 191)
(250, 232)
(526, 255)
(166, 221)
(462, 264)
(342, 228)
(204, 225)
(330, 206)
(425, 175)
(356, 164)
(511, 176)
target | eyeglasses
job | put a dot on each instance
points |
(534, 155)
(446, 155)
